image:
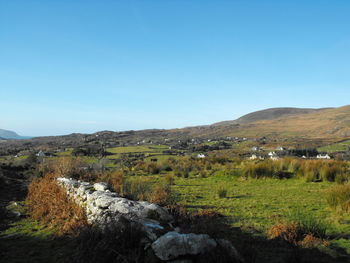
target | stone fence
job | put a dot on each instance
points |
(105, 208)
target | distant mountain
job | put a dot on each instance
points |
(327, 123)
(10, 135)
(287, 126)
(269, 114)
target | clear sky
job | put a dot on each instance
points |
(83, 66)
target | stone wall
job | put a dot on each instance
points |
(105, 208)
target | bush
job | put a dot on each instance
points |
(222, 192)
(258, 170)
(330, 171)
(309, 224)
(338, 198)
(137, 189)
(66, 167)
(300, 229)
(162, 195)
(170, 179)
(116, 180)
(293, 234)
(49, 203)
(287, 231)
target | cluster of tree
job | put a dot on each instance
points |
(207, 148)
(91, 150)
(302, 152)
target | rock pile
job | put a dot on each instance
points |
(105, 208)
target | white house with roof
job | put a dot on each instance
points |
(255, 157)
(40, 154)
(280, 148)
(323, 156)
(273, 156)
(201, 155)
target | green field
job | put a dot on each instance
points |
(257, 204)
(337, 147)
(138, 149)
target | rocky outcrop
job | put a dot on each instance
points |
(105, 209)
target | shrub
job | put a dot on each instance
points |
(162, 195)
(222, 192)
(203, 174)
(309, 224)
(170, 179)
(338, 197)
(65, 167)
(293, 234)
(331, 172)
(153, 168)
(310, 241)
(186, 174)
(116, 180)
(258, 170)
(137, 189)
(289, 232)
(300, 229)
(49, 203)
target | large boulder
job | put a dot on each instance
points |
(173, 245)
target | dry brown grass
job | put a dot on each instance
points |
(73, 167)
(288, 232)
(170, 179)
(310, 241)
(294, 234)
(49, 203)
(116, 180)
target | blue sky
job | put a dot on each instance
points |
(83, 66)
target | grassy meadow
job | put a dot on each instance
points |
(252, 196)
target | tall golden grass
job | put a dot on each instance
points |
(49, 203)
(310, 170)
(338, 198)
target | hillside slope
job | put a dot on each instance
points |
(270, 114)
(331, 123)
(6, 134)
(317, 128)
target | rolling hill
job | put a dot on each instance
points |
(6, 134)
(269, 114)
(327, 123)
(290, 126)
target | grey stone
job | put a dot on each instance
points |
(173, 244)
(101, 186)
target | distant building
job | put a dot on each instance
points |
(321, 156)
(280, 148)
(254, 157)
(201, 155)
(255, 148)
(40, 154)
(273, 156)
